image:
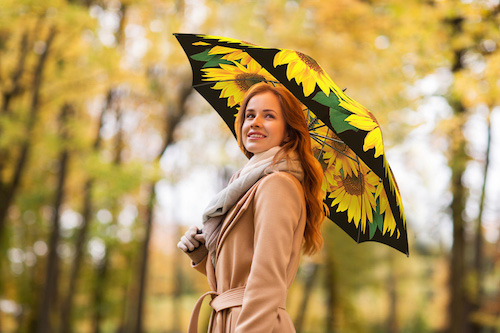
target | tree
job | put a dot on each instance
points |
(175, 113)
(68, 303)
(9, 189)
(50, 292)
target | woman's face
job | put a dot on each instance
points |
(264, 126)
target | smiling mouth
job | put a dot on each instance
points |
(256, 136)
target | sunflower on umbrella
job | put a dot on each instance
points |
(354, 194)
(363, 119)
(305, 70)
(234, 80)
(231, 54)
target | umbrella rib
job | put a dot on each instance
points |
(338, 151)
(318, 127)
(247, 79)
(321, 142)
(312, 123)
(322, 147)
(361, 203)
(307, 117)
(328, 138)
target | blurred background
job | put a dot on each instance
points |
(107, 156)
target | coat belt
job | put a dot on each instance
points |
(228, 299)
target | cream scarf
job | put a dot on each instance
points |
(257, 167)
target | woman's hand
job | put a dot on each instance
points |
(191, 240)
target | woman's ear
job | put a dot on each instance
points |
(287, 138)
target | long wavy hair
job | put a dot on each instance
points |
(298, 140)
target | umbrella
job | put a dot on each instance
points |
(360, 188)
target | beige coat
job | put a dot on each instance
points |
(259, 249)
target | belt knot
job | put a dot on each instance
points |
(228, 299)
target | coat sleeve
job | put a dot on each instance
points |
(200, 264)
(278, 207)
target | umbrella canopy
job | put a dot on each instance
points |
(360, 189)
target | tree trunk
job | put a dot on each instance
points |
(67, 307)
(16, 75)
(311, 273)
(179, 287)
(479, 239)
(331, 293)
(50, 290)
(101, 283)
(143, 262)
(458, 319)
(9, 190)
(172, 119)
(122, 326)
(11, 93)
(102, 270)
(99, 291)
(392, 319)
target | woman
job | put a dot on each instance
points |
(254, 229)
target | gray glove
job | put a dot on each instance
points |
(193, 244)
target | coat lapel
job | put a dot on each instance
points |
(234, 214)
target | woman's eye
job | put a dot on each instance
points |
(270, 116)
(249, 115)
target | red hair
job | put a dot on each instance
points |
(298, 140)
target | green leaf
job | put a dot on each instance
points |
(216, 61)
(378, 219)
(213, 60)
(337, 113)
(330, 101)
(372, 228)
(203, 56)
(338, 121)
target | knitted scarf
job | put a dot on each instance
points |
(257, 167)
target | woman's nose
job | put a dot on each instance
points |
(256, 122)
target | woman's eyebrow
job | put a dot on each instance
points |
(265, 111)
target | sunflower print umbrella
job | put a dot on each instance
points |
(359, 186)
